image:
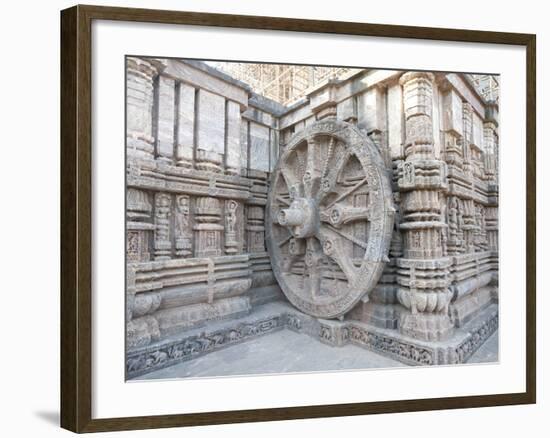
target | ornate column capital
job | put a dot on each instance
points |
(412, 75)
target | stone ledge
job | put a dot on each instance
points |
(280, 315)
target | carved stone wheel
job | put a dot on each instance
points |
(329, 218)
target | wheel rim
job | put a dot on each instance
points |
(329, 218)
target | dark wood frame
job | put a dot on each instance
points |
(76, 218)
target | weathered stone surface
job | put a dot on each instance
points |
(139, 107)
(452, 119)
(395, 121)
(391, 349)
(330, 218)
(370, 112)
(233, 125)
(259, 145)
(186, 125)
(201, 206)
(165, 122)
(211, 122)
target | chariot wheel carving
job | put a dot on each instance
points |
(329, 218)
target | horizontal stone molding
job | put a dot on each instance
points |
(155, 176)
(161, 274)
(199, 343)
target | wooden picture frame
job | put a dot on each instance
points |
(76, 217)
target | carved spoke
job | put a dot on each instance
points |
(285, 240)
(348, 192)
(282, 200)
(312, 260)
(311, 176)
(328, 181)
(328, 157)
(340, 215)
(333, 248)
(348, 237)
(292, 182)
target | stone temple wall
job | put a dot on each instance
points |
(200, 146)
(439, 140)
(200, 149)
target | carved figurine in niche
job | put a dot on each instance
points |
(408, 173)
(181, 225)
(231, 244)
(453, 218)
(162, 226)
(133, 247)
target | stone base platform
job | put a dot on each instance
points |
(277, 316)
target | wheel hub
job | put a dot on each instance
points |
(301, 218)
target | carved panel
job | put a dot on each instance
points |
(208, 229)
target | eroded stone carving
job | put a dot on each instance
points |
(139, 114)
(200, 201)
(424, 280)
(208, 228)
(231, 243)
(163, 245)
(182, 226)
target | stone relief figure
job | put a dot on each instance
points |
(133, 247)
(453, 218)
(162, 226)
(181, 226)
(408, 173)
(230, 217)
(231, 244)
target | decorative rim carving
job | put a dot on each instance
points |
(329, 218)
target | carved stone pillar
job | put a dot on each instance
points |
(468, 224)
(208, 229)
(163, 244)
(140, 75)
(210, 141)
(480, 236)
(455, 236)
(209, 161)
(186, 126)
(491, 227)
(255, 229)
(165, 119)
(489, 146)
(423, 271)
(182, 229)
(138, 225)
(233, 141)
(454, 129)
(141, 327)
(467, 118)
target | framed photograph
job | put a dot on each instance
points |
(269, 218)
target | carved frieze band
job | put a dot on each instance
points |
(141, 362)
(153, 358)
